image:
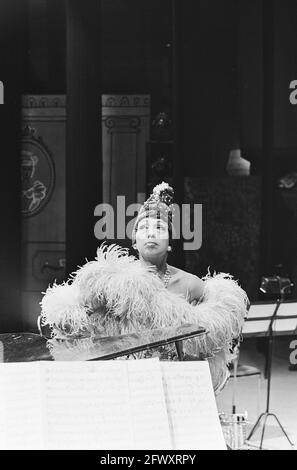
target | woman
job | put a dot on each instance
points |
(152, 236)
(117, 294)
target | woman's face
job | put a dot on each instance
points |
(152, 238)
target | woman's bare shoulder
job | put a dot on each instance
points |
(195, 285)
(180, 272)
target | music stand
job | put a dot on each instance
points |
(111, 347)
(264, 416)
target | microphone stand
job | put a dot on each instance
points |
(264, 416)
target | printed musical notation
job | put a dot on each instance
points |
(143, 404)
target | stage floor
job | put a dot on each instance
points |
(283, 396)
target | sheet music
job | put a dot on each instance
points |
(2, 411)
(261, 310)
(256, 311)
(287, 308)
(191, 406)
(280, 325)
(87, 405)
(20, 397)
(286, 324)
(148, 407)
(105, 405)
(260, 326)
(141, 404)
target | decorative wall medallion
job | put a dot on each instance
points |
(37, 172)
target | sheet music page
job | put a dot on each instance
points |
(266, 310)
(256, 311)
(260, 326)
(261, 310)
(86, 405)
(285, 324)
(108, 405)
(104, 405)
(20, 409)
(83, 405)
(191, 406)
(287, 308)
(2, 411)
(148, 407)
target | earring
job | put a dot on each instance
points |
(134, 246)
(169, 248)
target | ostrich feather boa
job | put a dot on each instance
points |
(115, 294)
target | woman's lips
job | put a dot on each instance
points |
(151, 244)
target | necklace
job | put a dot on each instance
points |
(165, 277)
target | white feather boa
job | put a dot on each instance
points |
(115, 294)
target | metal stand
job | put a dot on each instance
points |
(264, 416)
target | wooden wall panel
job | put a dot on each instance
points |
(125, 132)
(43, 199)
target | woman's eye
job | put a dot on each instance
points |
(146, 227)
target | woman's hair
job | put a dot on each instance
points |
(159, 205)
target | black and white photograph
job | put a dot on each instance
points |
(148, 214)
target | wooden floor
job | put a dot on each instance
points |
(283, 396)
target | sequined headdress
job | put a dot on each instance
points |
(159, 205)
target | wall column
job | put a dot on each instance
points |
(83, 130)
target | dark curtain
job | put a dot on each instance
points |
(12, 15)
